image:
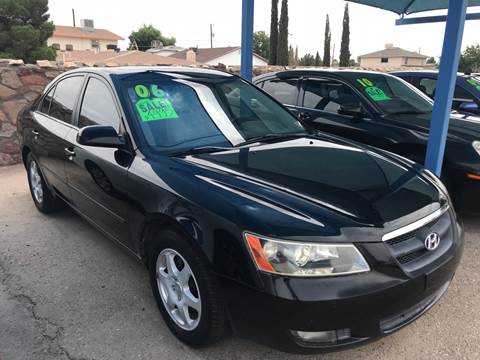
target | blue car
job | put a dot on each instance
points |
(466, 98)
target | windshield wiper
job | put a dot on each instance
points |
(199, 150)
(272, 136)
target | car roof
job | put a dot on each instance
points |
(310, 71)
(420, 72)
(171, 70)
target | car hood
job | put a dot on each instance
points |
(460, 124)
(307, 174)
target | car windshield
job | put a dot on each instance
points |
(474, 82)
(392, 95)
(177, 114)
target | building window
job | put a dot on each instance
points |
(56, 46)
(95, 44)
(384, 60)
(69, 47)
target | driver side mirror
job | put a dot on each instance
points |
(469, 106)
(355, 111)
(101, 136)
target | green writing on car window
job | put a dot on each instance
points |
(155, 109)
(474, 83)
(375, 93)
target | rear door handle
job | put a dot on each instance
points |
(35, 133)
(70, 153)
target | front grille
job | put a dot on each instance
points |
(409, 249)
(404, 259)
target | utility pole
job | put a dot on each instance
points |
(211, 35)
(73, 15)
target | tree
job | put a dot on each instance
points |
(24, 30)
(274, 33)
(291, 56)
(261, 44)
(326, 43)
(470, 59)
(282, 50)
(345, 46)
(143, 37)
(307, 60)
(318, 59)
(431, 60)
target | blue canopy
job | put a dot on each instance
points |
(410, 6)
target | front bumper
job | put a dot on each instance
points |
(363, 306)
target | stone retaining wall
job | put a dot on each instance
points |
(19, 85)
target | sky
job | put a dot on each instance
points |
(189, 21)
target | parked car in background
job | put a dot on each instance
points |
(383, 111)
(246, 219)
(466, 98)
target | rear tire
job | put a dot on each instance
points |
(187, 293)
(45, 201)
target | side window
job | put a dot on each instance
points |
(98, 106)
(428, 86)
(285, 91)
(44, 106)
(64, 98)
(462, 94)
(329, 95)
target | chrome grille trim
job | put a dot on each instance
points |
(416, 225)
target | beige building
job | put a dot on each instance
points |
(228, 56)
(85, 37)
(392, 57)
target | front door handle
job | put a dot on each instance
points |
(70, 153)
(35, 133)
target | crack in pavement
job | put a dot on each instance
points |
(48, 329)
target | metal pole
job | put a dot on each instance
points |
(73, 15)
(211, 36)
(457, 10)
(246, 66)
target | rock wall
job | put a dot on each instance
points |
(19, 85)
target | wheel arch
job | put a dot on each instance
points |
(159, 222)
(25, 151)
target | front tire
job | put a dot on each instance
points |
(186, 292)
(43, 198)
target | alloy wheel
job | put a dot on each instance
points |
(178, 289)
(36, 182)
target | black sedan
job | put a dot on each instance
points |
(383, 111)
(466, 96)
(246, 219)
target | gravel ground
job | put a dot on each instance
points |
(67, 292)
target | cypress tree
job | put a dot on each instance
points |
(282, 50)
(344, 49)
(274, 33)
(326, 44)
(318, 61)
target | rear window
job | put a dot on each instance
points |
(66, 94)
(285, 91)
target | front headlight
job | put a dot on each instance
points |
(305, 259)
(476, 146)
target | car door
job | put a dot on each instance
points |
(52, 121)
(97, 176)
(285, 91)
